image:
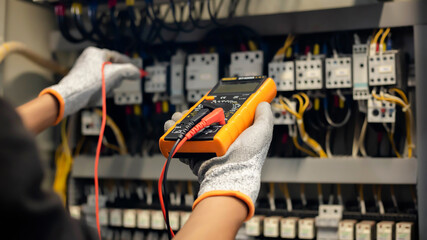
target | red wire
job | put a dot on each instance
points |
(98, 149)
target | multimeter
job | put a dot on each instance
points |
(239, 98)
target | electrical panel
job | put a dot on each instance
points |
(306, 228)
(360, 72)
(338, 72)
(289, 228)
(405, 231)
(346, 229)
(248, 63)
(177, 96)
(254, 227)
(381, 111)
(201, 74)
(91, 123)
(272, 226)
(129, 91)
(309, 74)
(280, 115)
(384, 68)
(156, 79)
(283, 73)
(385, 230)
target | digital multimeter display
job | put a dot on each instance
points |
(236, 88)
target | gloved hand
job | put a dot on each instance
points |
(82, 86)
(238, 172)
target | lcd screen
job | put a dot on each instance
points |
(236, 88)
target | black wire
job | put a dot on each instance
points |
(92, 12)
(63, 27)
(165, 191)
(195, 22)
(175, 20)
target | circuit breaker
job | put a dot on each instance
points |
(381, 111)
(272, 226)
(289, 227)
(201, 74)
(177, 68)
(129, 91)
(338, 72)
(248, 63)
(143, 219)
(346, 229)
(91, 123)
(254, 227)
(280, 115)
(306, 228)
(156, 79)
(385, 230)
(283, 73)
(327, 222)
(384, 68)
(360, 72)
(309, 74)
(129, 218)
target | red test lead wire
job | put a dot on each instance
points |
(98, 148)
(216, 116)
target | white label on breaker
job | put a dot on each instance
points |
(75, 211)
(288, 229)
(287, 75)
(143, 217)
(342, 72)
(385, 69)
(313, 74)
(103, 217)
(129, 218)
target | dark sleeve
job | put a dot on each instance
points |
(27, 211)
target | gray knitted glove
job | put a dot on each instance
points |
(82, 86)
(238, 172)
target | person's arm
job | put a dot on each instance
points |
(39, 113)
(79, 89)
(214, 218)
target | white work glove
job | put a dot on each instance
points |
(238, 172)
(82, 86)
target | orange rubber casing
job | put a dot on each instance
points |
(242, 119)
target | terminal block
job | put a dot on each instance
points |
(91, 123)
(360, 72)
(306, 228)
(385, 230)
(405, 231)
(346, 229)
(309, 74)
(201, 74)
(283, 73)
(272, 226)
(156, 79)
(384, 68)
(381, 111)
(289, 227)
(254, 227)
(338, 72)
(248, 63)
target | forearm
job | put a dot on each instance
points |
(39, 114)
(214, 218)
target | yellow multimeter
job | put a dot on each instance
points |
(239, 97)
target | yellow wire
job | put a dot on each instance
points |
(286, 45)
(393, 145)
(117, 132)
(286, 191)
(401, 94)
(361, 192)
(79, 146)
(387, 31)
(287, 108)
(375, 40)
(301, 148)
(64, 162)
(408, 115)
(112, 147)
(271, 190)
